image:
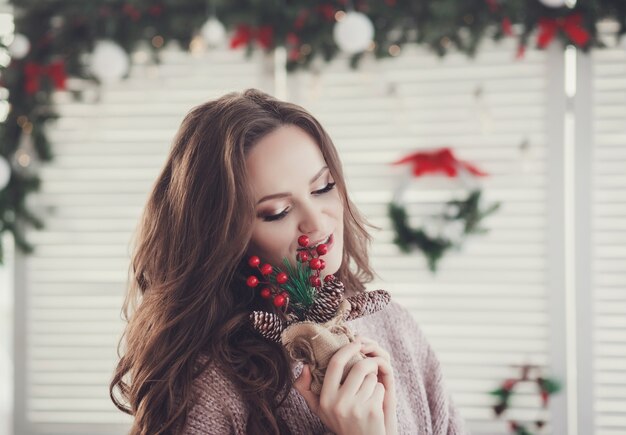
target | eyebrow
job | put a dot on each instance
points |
(284, 194)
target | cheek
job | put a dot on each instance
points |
(270, 240)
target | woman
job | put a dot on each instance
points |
(247, 174)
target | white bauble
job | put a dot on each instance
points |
(354, 33)
(213, 32)
(553, 3)
(5, 172)
(109, 61)
(19, 47)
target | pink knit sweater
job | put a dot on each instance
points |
(424, 405)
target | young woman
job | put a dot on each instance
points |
(248, 174)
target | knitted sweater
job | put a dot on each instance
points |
(424, 405)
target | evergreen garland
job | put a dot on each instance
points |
(61, 32)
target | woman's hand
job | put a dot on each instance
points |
(372, 349)
(357, 405)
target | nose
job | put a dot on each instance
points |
(312, 222)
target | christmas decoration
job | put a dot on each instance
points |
(553, 3)
(33, 73)
(5, 173)
(20, 46)
(109, 62)
(354, 32)
(308, 317)
(571, 25)
(546, 387)
(53, 39)
(213, 32)
(459, 218)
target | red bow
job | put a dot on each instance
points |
(437, 161)
(245, 33)
(33, 73)
(571, 25)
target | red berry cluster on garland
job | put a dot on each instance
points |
(280, 296)
(315, 263)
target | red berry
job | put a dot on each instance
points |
(315, 281)
(254, 261)
(329, 278)
(281, 278)
(285, 294)
(266, 269)
(315, 263)
(252, 281)
(279, 300)
(322, 249)
(266, 293)
(303, 241)
(303, 256)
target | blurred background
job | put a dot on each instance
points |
(503, 227)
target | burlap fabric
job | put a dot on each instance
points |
(315, 344)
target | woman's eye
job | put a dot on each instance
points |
(275, 217)
(282, 214)
(328, 188)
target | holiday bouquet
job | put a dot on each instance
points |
(306, 315)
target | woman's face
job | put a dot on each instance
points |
(295, 194)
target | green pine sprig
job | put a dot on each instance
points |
(301, 292)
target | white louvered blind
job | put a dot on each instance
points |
(487, 307)
(608, 237)
(108, 154)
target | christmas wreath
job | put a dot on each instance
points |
(546, 387)
(307, 316)
(459, 218)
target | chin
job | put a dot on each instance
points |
(330, 271)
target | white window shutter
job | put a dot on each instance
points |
(608, 234)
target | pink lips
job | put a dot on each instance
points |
(331, 241)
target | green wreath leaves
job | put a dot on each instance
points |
(465, 214)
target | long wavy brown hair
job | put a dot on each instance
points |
(186, 290)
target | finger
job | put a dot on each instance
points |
(385, 374)
(367, 388)
(336, 365)
(303, 385)
(376, 399)
(357, 375)
(370, 345)
(373, 349)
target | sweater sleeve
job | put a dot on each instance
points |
(217, 408)
(446, 418)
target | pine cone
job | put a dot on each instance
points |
(326, 302)
(269, 325)
(366, 303)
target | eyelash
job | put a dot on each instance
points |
(328, 188)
